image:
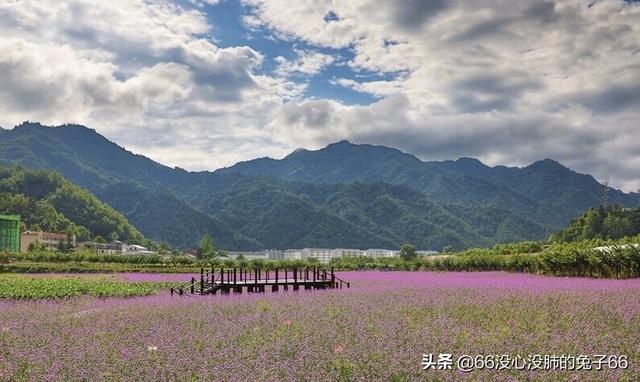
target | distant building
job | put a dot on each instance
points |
(377, 252)
(133, 249)
(292, 254)
(49, 240)
(323, 255)
(191, 253)
(350, 252)
(427, 253)
(275, 254)
(116, 248)
(10, 233)
(113, 248)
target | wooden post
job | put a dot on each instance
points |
(193, 282)
(333, 278)
(241, 274)
(172, 291)
(314, 275)
(286, 276)
(295, 275)
(276, 276)
(255, 274)
(221, 275)
(201, 280)
(234, 276)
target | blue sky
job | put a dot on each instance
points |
(228, 30)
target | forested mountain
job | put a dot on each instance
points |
(545, 189)
(344, 195)
(130, 183)
(47, 201)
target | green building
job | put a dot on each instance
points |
(10, 233)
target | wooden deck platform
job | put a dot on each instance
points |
(237, 280)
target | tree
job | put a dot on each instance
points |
(62, 246)
(206, 249)
(113, 236)
(447, 249)
(70, 244)
(36, 246)
(408, 252)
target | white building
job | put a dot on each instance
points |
(275, 254)
(293, 254)
(324, 255)
(341, 252)
(377, 252)
(426, 253)
(133, 249)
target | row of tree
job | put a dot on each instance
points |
(567, 259)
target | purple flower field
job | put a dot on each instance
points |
(376, 331)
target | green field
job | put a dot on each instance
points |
(21, 287)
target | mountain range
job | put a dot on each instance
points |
(344, 195)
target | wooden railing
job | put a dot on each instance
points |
(257, 278)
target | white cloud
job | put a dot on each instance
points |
(306, 63)
(508, 82)
(143, 73)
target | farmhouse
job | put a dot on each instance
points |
(49, 240)
(116, 248)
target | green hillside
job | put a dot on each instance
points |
(46, 201)
(610, 223)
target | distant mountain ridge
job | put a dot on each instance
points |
(343, 195)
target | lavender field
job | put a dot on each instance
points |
(375, 331)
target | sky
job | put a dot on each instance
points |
(203, 84)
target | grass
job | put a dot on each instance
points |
(19, 287)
